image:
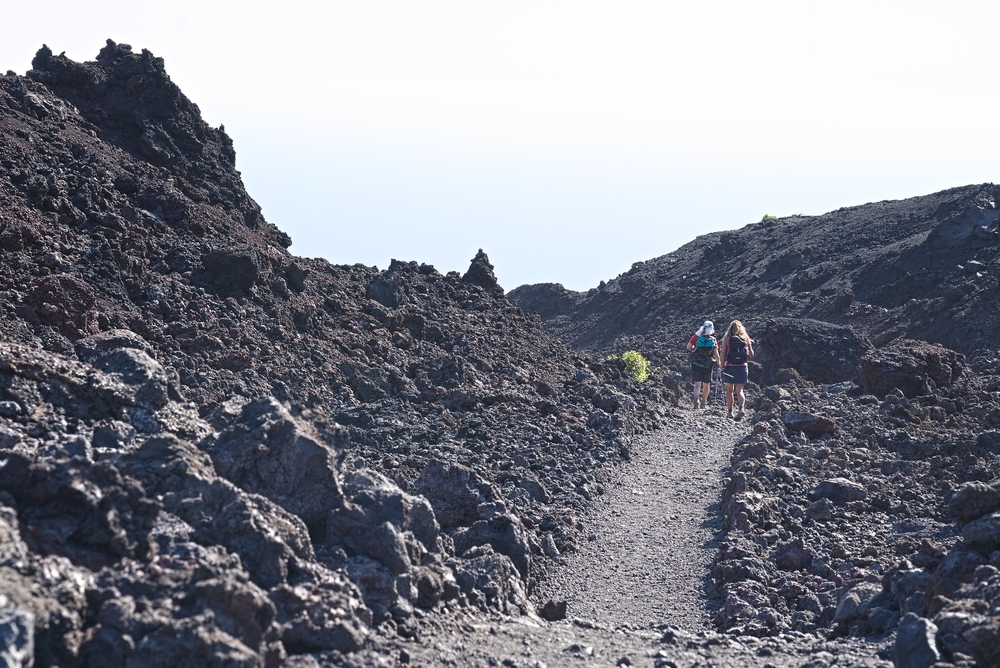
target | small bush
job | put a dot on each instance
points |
(636, 365)
(768, 218)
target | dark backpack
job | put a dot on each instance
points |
(737, 353)
(704, 348)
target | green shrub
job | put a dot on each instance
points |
(768, 218)
(636, 365)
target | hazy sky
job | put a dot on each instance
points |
(567, 139)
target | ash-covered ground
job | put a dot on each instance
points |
(214, 453)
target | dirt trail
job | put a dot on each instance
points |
(648, 565)
(651, 537)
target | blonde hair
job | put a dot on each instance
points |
(736, 328)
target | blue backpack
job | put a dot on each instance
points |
(704, 348)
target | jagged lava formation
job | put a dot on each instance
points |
(215, 453)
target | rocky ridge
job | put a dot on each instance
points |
(921, 268)
(213, 449)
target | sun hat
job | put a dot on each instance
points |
(706, 329)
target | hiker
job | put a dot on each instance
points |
(706, 354)
(736, 351)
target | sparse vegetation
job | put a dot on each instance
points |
(766, 218)
(636, 365)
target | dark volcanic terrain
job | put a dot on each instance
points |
(876, 428)
(214, 453)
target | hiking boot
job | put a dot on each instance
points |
(704, 404)
(697, 404)
(729, 413)
(739, 415)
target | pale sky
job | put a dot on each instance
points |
(567, 139)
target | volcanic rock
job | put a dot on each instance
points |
(809, 423)
(915, 647)
(839, 491)
(553, 611)
(455, 492)
(269, 452)
(820, 351)
(983, 533)
(17, 638)
(793, 556)
(973, 500)
(481, 273)
(910, 366)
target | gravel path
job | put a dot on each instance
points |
(651, 536)
(648, 566)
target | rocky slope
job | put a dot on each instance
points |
(864, 503)
(847, 511)
(212, 449)
(924, 268)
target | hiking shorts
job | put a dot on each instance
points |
(701, 374)
(735, 375)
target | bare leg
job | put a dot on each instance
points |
(729, 398)
(697, 392)
(740, 397)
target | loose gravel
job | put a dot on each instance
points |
(652, 535)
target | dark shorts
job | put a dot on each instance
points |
(701, 374)
(734, 375)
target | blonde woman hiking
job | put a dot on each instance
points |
(706, 354)
(737, 351)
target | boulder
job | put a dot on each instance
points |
(312, 619)
(851, 602)
(384, 290)
(504, 533)
(819, 351)
(911, 366)
(265, 536)
(455, 492)
(915, 646)
(145, 378)
(553, 611)
(530, 483)
(973, 226)
(839, 491)
(793, 556)
(955, 572)
(983, 533)
(984, 641)
(86, 511)
(66, 302)
(973, 500)
(808, 423)
(269, 452)
(490, 581)
(393, 542)
(92, 346)
(231, 271)
(382, 500)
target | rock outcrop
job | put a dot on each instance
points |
(912, 367)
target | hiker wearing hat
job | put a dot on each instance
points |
(737, 350)
(705, 354)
